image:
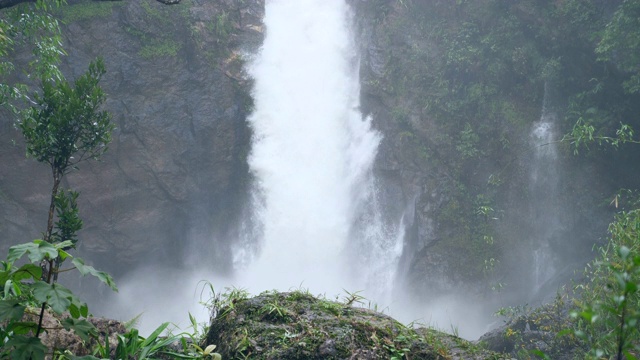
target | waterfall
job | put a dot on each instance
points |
(314, 196)
(546, 209)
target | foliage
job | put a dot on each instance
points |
(603, 321)
(608, 315)
(583, 134)
(66, 126)
(131, 345)
(153, 11)
(62, 126)
(222, 26)
(206, 353)
(467, 145)
(610, 306)
(35, 28)
(87, 10)
(467, 80)
(23, 290)
(157, 49)
(527, 331)
(620, 43)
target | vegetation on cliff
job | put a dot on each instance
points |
(462, 83)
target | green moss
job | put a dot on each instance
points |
(154, 12)
(87, 10)
(135, 32)
(164, 48)
(254, 328)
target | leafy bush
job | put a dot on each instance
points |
(610, 307)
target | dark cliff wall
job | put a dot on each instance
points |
(456, 88)
(175, 173)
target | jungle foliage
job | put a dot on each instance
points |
(469, 78)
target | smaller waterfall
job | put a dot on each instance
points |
(546, 208)
(377, 245)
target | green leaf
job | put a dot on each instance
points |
(56, 295)
(23, 328)
(78, 310)
(81, 327)
(26, 348)
(101, 275)
(37, 250)
(8, 285)
(64, 244)
(62, 253)
(74, 311)
(18, 251)
(11, 310)
(175, 355)
(151, 338)
(540, 354)
(27, 271)
(44, 251)
(5, 276)
(84, 310)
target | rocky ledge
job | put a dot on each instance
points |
(297, 325)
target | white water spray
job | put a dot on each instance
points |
(311, 157)
(546, 209)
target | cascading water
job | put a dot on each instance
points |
(544, 187)
(314, 197)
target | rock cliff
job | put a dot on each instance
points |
(458, 90)
(175, 172)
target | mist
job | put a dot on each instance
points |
(315, 216)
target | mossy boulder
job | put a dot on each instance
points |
(547, 328)
(297, 325)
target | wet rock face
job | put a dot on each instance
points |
(542, 329)
(175, 171)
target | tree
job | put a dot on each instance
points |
(65, 127)
(620, 43)
(35, 28)
(62, 124)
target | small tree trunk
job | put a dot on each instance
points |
(47, 265)
(57, 177)
(44, 304)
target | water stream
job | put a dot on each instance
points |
(314, 196)
(544, 193)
